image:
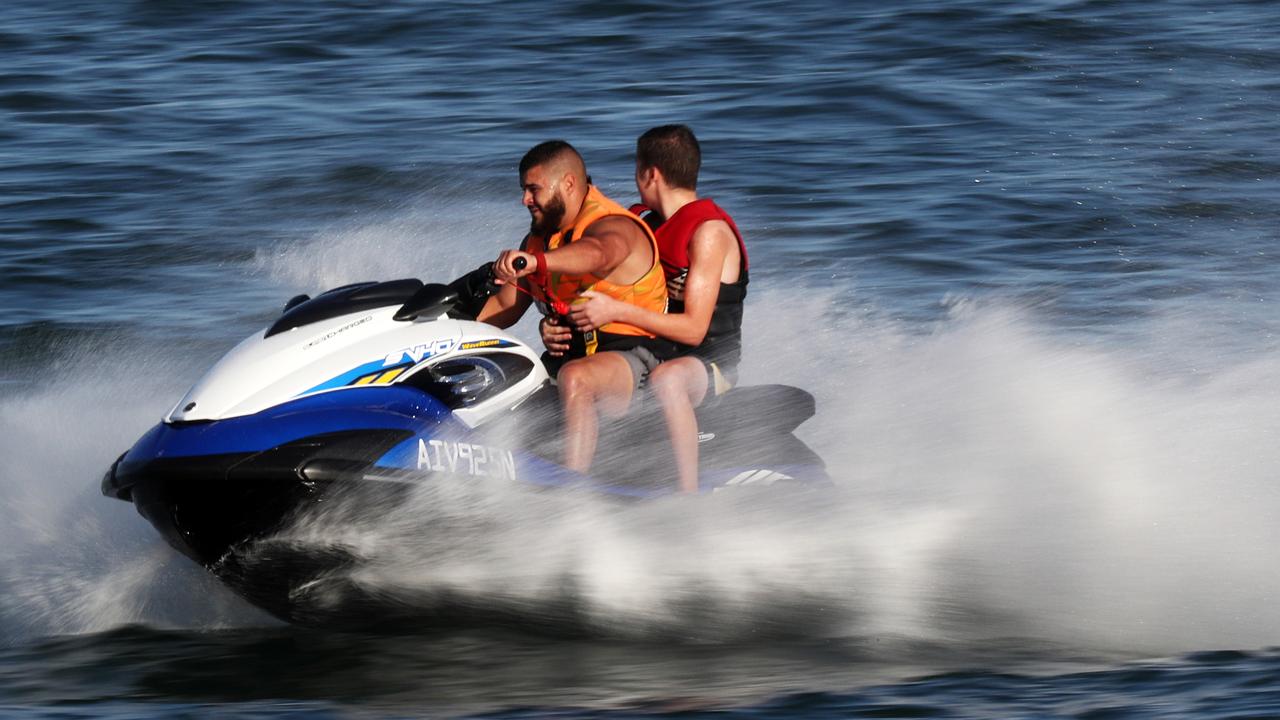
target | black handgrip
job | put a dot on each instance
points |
(520, 263)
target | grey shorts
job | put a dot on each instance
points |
(642, 362)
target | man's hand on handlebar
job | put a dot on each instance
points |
(512, 265)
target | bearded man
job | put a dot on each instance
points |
(581, 241)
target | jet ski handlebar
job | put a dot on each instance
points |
(462, 298)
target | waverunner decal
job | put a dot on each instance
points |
(485, 344)
(461, 457)
(417, 353)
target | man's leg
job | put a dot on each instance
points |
(602, 382)
(680, 385)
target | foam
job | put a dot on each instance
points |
(996, 476)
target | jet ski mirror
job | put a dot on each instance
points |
(432, 300)
(295, 301)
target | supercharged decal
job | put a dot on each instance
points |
(466, 458)
(333, 333)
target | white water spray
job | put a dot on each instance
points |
(995, 479)
(74, 561)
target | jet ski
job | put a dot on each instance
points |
(379, 387)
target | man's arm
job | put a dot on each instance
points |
(505, 307)
(707, 252)
(601, 249)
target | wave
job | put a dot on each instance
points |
(993, 482)
(996, 477)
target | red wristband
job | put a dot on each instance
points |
(540, 274)
(542, 278)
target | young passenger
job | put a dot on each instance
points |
(705, 264)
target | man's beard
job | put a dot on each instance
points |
(552, 214)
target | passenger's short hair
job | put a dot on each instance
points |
(674, 150)
(549, 152)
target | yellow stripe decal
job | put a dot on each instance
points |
(390, 375)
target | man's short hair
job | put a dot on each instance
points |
(550, 152)
(674, 150)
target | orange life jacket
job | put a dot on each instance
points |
(649, 292)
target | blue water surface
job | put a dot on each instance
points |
(1104, 171)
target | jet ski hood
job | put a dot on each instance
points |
(356, 336)
(262, 372)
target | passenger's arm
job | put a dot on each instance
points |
(707, 252)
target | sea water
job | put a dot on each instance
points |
(1023, 253)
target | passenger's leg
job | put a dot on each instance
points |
(680, 385)
(599, 383)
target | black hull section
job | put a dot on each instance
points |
(747, 427)
(204, 506)
(204, 521)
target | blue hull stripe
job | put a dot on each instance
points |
(358, 408)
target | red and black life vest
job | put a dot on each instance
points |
(723, 342)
